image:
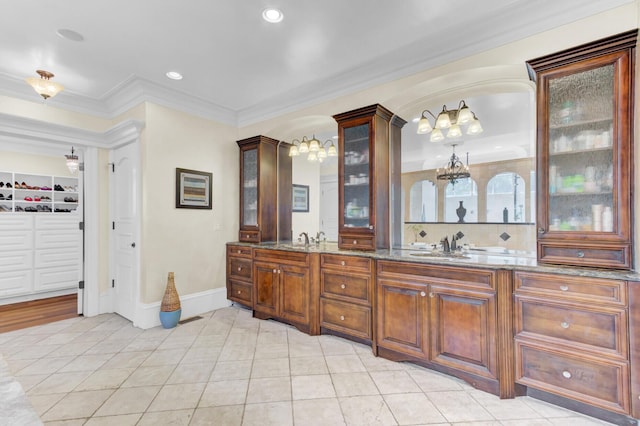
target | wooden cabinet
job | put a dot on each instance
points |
(572, 338)
(240, 275)
(445, 318)
(265, 190)
(285, 287)
(346, 292)
(585, 153)
(368, 144)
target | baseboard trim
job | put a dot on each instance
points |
(148, 315)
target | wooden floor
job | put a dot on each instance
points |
(37, 312)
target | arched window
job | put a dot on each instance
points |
(506, 198)
(423, 202)
(462, 195)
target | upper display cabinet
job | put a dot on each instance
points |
(585, 153)
(368, 143)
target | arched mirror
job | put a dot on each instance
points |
(461, 201)
(423, 203)
(506, 201)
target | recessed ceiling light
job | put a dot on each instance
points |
(70, 34)
(174, 75)
(272, 15)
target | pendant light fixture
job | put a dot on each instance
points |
(450, 121)
(44, 86)
(454, 169)
(72, 161)
(315, 150)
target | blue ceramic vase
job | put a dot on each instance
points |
(170, 319)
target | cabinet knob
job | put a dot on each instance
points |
(564, 324)
(275, 271)
(371, 227)
(566, 374)
(239, 291)
(580, 254)
(239, 268)
(423, 294)
(431, 295)
(355, 241)
(279, 270)
(343, 286)
(564, 287)
(343, 263)
(239, 251)
(541, 230)
(341, 317)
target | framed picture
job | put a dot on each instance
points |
(193, 189)
(300, 202)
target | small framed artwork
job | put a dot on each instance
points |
(300, 202)
(193, 189)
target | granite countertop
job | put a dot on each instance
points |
(477, 258)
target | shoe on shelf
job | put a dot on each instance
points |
(19, 209)
(1, 196)
(28, 199)
(10, 197)
(45, 188)
(57, 187)
(36, 198)
(1, 184)
(9, 185)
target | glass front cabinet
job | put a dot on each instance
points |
(264, 166)
(585, 153)
(368, 141)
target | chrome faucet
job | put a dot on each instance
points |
(306, 238)
(318, 237)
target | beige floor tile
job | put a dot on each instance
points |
(312, 387)
(105, 379)
(229, 392)
(354, 384)
(41, 403)
(59, 383)
(123, 420)
(275, 336)
(167, 418)
(108, 347)
(430, 381)
(74, 422)
(344, 364)
(317, 412)
(272, 350)
(335, 346)
(36, 352)
(191, 373)
(164, 357)
(176, 342)
(237, 352)
(143, 345)
(73, 348)
(277, 367)
(394, 382)
(268, 414)
(308, 365)
(269, 389)
(230, 415)
(45, 366)
(29, 382)
(304, 349)
(77, 404)
(242, 338)
(230, 370)
(128, 401)
(545, 409)
(366, 411)
(86, 363)
(200, 355)
(149, 376)
(127, 360)
(177, 397)
(504, 409)
(578, 420)
(450, 402)
(528, 422)
(413, 408)
(373, 363)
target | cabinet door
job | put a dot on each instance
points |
(463, 330)
(265, 287)
(294, 289)
(249, 187)
(402, 317)
(356, 172)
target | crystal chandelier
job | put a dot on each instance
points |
(454, 169)
(450, 119)
(72, 161)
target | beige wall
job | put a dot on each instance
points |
(306, 173)
(189, 242)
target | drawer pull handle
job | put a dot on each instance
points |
(239, 291)
(239, 268)
(423, 294)
(564, 287)
(343, 263)
(564, 324)
(342, 286)
(580, 254)
(341, 317)
(566, 374)
(541, 230)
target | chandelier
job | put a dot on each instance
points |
(454, 169)
(449, 120)
(44, 86)
(315, 150)
(72, 161)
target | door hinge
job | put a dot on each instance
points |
(113, 283)
(113, 225)
(80, 285)
(81, 166)
(81, 226)
(113, 167)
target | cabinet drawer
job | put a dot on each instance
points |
(356, 242)
(567, 287)
(347, 286)
(240, 292)
(600, 328)
(240, 268)
(346, 263)
(599, 382)
(280, 256)
(249, 236)
(354, 320)
(610, 257)
(239, 251)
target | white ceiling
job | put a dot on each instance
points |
(239, 69)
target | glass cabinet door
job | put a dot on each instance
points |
(581, 184)
(356, 176)
(250, 187)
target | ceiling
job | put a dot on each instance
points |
(240, 69)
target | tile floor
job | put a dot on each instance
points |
(230, 369)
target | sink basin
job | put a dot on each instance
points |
(440, 255)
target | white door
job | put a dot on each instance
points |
(125, 253)
(329, 209)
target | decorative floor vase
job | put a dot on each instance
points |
(170, 308)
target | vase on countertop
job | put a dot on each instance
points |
(461, 211)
